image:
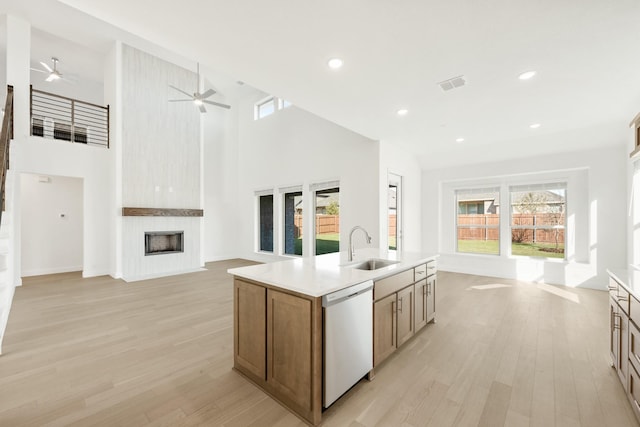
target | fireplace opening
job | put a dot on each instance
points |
(163, 242)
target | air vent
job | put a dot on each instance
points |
(452, 83)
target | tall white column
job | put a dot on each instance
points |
(18, 73)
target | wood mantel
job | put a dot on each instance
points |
(161, 212)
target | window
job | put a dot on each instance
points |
(265, 108)
(268, 106)
(538, 220)
(394, 212)
(478, 221)
(265, 220)
(292, 210)
(327, 220)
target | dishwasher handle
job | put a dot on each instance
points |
(344, 294)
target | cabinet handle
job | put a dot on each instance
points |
(616, 325)
(613, 288)
(400, 305)
(622, 298)
(420, 272)
(637, 405)
(393, 307)
(636, 356)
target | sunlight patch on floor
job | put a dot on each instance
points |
(560, 292)
(486, 287)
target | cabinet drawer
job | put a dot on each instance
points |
(623, 299)
(392, 284)
(431, 268)
(634, 346)
(420, 272)
(634, 390)
(634, 310)
(613, 288)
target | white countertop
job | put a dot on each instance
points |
(323, 274)
(630, 279)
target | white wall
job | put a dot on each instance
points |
(51, 224)
(92, 164)
(220, 176)
(600, 232)
(397, 161)
(294, 147)
(161, 160)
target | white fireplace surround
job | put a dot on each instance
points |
(138, 266)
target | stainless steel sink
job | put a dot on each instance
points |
(373, 264)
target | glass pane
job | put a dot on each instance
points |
(537, 223)
(266, 223)
(266, 108)
(478, 221)
(327, 221)
(393, 216)
(293, 223)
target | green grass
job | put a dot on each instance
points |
(325, 244)
(521, 249)
(392, 243)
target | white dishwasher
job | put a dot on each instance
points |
(348, 339)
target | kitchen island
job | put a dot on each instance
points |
(278, 317)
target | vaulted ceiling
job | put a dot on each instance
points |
(585, 91)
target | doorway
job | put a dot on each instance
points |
(51, 224)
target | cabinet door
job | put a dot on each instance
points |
(623, 356)
(249, 329)
(431, 298)
(406, 303)
(384, 328)
(289, 348)
(614, 333)
(421, 304)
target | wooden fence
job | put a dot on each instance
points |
(486, 227)
(326, 224)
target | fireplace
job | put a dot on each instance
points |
(163, 242)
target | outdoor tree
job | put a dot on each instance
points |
(333, 208)
(530, 203)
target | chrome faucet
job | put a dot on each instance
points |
(352, 251)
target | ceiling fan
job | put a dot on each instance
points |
(54, 73)
(199, 98)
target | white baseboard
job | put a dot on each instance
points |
(156, 276)
(56, 270)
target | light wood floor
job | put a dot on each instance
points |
(84, 352)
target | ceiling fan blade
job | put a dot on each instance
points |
(217, 104)
(208, 93)
(38, 70)
(46, 67)
(51, 78)
(202, 109)
(180, 100)
(181, 91)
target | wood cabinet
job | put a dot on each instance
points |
(421, 304)
(278, 345)
(404, 304)
(249, 322)
(384, 328)
(619, 339)
(405, 313)
(431, 299)
(289, 346)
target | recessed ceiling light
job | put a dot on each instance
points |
(335, 63)
(534, 125)
(527, 75)
(402, 112)
(459, 139)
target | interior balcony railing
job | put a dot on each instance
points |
(58, 117)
